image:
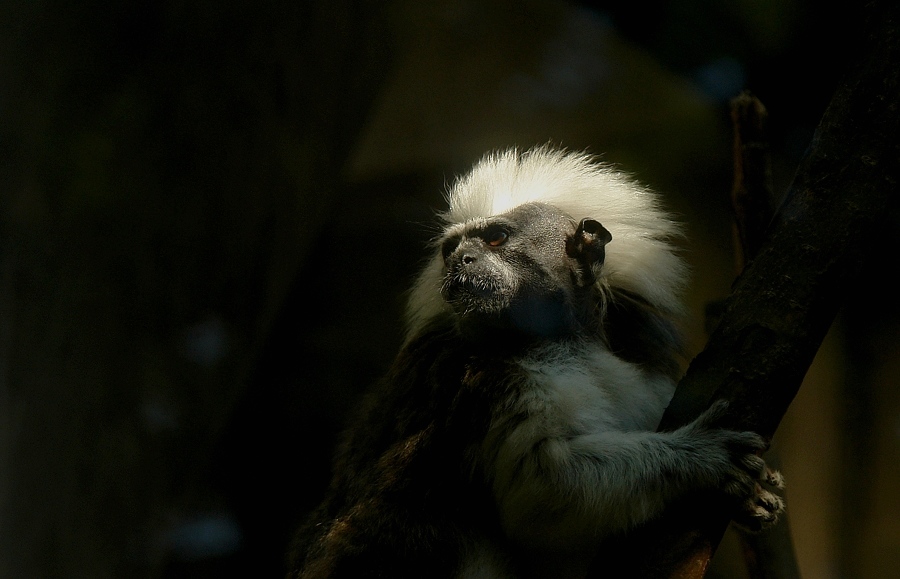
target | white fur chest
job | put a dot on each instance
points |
(583, 388)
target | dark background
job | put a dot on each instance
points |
(211, 211)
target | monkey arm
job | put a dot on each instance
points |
(562, 491)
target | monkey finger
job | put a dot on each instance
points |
(755, 466)
(774, 478)
(769, 501)
(714, 414)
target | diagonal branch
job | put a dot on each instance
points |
(789, 294)
(785, 300)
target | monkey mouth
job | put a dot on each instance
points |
(467, 294)
(483, 305)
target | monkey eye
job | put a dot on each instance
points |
(495, 237)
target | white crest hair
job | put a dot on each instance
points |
(640, 258)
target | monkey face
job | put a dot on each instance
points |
(528, 271)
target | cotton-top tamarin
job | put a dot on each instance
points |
(515, 431)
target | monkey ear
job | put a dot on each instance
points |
(588, 246)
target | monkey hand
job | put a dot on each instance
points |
(734, 466)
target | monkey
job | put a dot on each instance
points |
(516, 429)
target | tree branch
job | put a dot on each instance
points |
(751, 194)
(786, 299)
(784, 302)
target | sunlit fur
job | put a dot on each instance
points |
(641, 259)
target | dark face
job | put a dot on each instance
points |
(519, 274)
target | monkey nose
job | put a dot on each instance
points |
(468, 259)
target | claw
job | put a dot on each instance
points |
(771, 502)
(774, 478)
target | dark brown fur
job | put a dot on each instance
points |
(407, 498)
